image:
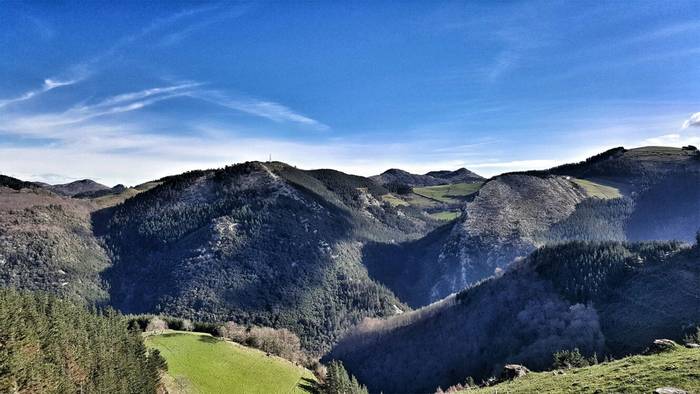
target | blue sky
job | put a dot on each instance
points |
(124, 93)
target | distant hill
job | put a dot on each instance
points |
(433, 178)
(609, 298)
(461, 175)
(78, 187)
(14, 183)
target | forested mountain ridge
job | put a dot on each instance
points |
(607, 298)
(258, 243)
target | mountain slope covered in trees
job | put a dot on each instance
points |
(606, 298)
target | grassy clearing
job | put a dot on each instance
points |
(200, 363)
(637, 374)
(393, 200)
(421, 202)
(445, 215)
(598, 190)
(449, 194)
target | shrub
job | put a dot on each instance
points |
(157, 324)
(566, 359)
(280, 342)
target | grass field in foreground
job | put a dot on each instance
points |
(200, 363)
(598, 190)
(637, 374)
(449, 194)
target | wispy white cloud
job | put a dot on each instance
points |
(262, 108)
(44, 124)
(693, 121)
(49, 84)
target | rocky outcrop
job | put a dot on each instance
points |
(669, 390)
(661, 346)
(513, 371)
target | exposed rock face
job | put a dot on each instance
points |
(507, 219)
(514, 371)
(661, 346)
(669, 390)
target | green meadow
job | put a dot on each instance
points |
(448, 194)
(594, 189)
(200, 363)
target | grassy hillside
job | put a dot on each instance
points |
(594, 189)
(679, 368)
(450, 194)
(200, 363)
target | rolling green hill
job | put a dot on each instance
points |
(200, 363)
(678, 368)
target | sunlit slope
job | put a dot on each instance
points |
(639, 374)
(200, 363)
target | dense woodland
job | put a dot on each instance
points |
(49, 345)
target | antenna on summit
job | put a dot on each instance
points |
(270, 158)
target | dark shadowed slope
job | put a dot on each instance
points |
(609, 298)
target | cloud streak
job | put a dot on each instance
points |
(261, 108)
(49, 84)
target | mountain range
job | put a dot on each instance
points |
(531, 262)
